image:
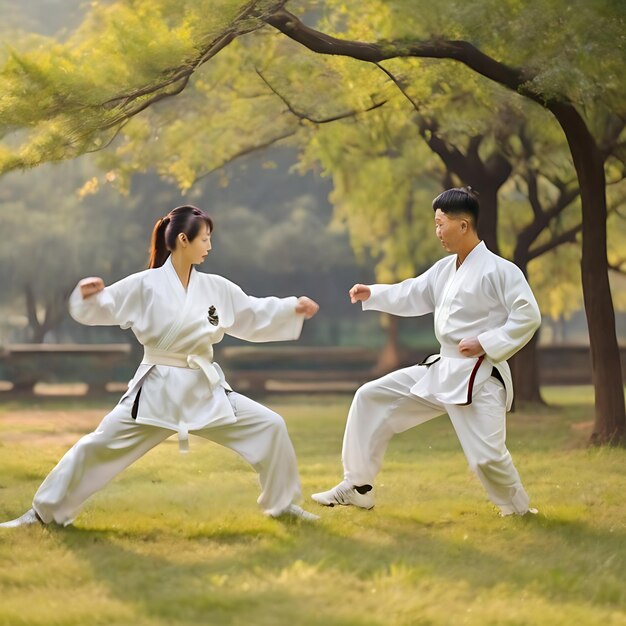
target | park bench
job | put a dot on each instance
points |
(26, 365)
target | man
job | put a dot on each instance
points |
(484, 313)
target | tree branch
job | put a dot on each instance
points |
(533, 194)
(610, 143)
(111, 139)
(180, 76)
(569, 236)
(301, 116)
(246, 151)
(619, 267)
(399, 85)
(496, 168)
(308, 118)
(461, 51)
(531, 179)
(528, 235)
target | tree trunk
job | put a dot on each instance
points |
(610, 424)
(389, 358)
(37, 330)
(488, 222)
(56, 307)
(53, 313)
(525, 365)
(525, 371)
(485, 177)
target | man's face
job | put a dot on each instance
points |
(450, 230)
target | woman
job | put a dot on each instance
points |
(177, 314)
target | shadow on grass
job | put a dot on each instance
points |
(224, 590)
(233, 577)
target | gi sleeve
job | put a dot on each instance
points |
(116, 305)
(263, 319)
(411, 297)
(523, 318)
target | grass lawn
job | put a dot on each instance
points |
(179, 540)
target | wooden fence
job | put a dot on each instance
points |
(255, 369)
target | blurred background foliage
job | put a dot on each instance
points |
(319, 171)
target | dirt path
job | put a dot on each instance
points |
(37, 426)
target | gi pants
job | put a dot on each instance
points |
(381, 408)
(259, 436)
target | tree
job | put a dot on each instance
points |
(581, 41)
(487, 147)
(54, 227)
(534, 79)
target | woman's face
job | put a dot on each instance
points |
(197, 250)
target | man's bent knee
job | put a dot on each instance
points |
(274, 421)
(367, 392)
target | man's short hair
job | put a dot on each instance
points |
(463, 201)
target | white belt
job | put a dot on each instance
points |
(453, 353)
(152, 356)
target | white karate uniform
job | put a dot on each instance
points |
(488, 298)
(178, 388)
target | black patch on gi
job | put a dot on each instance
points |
(214, 319)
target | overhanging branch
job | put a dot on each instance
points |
(130, 104)
(288, 133)
(305, 117)
(461, 51)
(246, 151)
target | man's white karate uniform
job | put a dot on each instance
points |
(488, 298)
(178, 388)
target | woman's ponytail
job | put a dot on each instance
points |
(158, 247)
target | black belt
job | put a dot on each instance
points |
(495, 372)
